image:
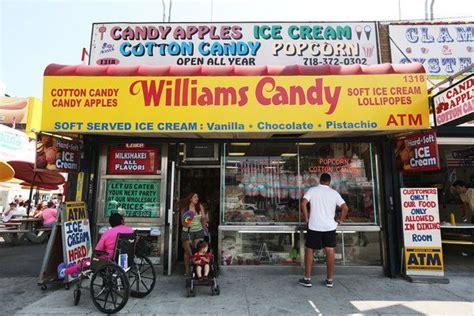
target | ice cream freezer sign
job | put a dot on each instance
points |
(234, 43)
(421, 231)
(76, 233)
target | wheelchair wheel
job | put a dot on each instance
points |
(141, 277)
(77, 296)
(215, 290)
(109, 288)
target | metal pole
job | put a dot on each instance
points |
(31, 195)
(431, 10)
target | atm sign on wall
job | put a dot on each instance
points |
(133, 159)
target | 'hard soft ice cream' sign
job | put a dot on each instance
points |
(234, 43)
(57, 154)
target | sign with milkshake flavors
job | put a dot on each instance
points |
(418, 152)
(133, 159)
(421, 232)
(443, 48)
(234, 43)
(455, 105)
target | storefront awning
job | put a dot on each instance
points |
(235, 101)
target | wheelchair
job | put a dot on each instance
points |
(110, 284)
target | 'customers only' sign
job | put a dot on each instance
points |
(421, 231)
(234, 43)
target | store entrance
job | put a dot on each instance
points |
(205, 181)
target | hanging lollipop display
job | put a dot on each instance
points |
(187, 217)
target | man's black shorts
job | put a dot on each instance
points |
(319, 240)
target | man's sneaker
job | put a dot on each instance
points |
(305, 282)
(328, 283)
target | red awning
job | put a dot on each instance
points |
(292, 70)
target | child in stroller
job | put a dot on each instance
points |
(201, 260)
(204, 270)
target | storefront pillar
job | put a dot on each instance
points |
(392, 215)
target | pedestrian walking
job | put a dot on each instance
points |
(322, 224)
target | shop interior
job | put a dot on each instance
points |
(457, 162)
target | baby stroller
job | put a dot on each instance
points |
(110, 284)
(192, 281)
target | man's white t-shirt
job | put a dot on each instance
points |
(324, 201)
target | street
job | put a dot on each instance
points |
(244, 291)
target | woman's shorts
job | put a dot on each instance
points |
(190, 236)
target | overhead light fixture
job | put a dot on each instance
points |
(231, 167)
(289, 154)
(240, 144)
(236, 154)
(232, 161)
(270, 167)
(306, 144)
(181, 153)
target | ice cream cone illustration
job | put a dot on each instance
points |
(102, 30)
(367, 30)
(368, 51)
(358, 30)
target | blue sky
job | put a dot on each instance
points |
(35, 33)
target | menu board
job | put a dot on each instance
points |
(133, 198)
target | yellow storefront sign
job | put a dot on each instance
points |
(234, 104)
(424, 260)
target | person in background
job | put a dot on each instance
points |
(48, 215)
(106, 243)
(8, 214)
(467, 197)
(20, 210)
(321, 232)
(39, 209)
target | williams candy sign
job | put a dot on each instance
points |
(232, 104)
(234, 43)
(417, 153)
(443, 49)
(455, 105)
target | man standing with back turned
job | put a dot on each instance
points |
(322, 226)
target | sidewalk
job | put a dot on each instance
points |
(266, 291)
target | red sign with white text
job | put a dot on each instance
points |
(133, 159)
(417, 153)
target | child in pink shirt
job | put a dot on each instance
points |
(106, 243)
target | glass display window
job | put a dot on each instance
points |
(265, 182)
(352, 170)
(261, 183)
(253, 248)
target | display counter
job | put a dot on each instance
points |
(284, 245)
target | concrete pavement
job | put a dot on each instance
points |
(266, 291)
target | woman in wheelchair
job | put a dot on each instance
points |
(105, 246)
(202, 260)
